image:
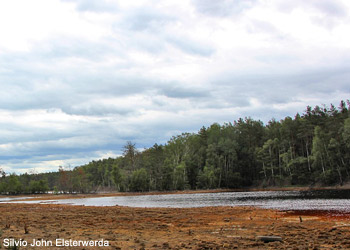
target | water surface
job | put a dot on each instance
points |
(336, 200)
(7, 199)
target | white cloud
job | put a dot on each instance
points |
(80, 78)
(24, 24)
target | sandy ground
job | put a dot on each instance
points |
(173, 228)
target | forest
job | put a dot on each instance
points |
(311, 149)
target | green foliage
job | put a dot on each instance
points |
(311, 148)
(346, 132)
(13, 185)
(234, 180)
(55, 190)
(207, 178)
(3, 187)
(38, 187)
(139, 180)
(180, 177)
(117, 177)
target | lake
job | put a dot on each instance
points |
(331, 200)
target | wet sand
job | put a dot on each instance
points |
(173, 228)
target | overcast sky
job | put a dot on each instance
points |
(79, 78)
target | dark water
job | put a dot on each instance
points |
(329, 200)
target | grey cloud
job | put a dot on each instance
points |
(191, 47)
(162, 90)
(34, 81)
(93, 138)
(222, 8)
(147, 42)
(281, 88)
(148, 27)
(16, 135)
(271, 32)
(269, 29)
(94, 5)
(332, 11)
(60, 49)
(332, 8)
(228, 97)
(17, 98)
(112, 85)
(85, 83)
(174, 91)
(274, 59)
(87, 109)
(262, 26)
(146, 19)
(78, 92)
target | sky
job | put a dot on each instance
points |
(80, 78)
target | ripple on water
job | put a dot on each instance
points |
(317, 200)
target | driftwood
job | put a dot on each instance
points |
(269, 238)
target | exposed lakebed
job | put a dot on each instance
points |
(329, 200)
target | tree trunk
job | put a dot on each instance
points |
(308, 158)
(271, 163)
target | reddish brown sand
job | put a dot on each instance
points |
(173, 228)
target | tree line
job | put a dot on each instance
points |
(310, 149)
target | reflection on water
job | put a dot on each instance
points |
(283, 200)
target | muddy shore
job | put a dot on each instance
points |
(173, 228)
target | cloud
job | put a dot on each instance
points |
(183, 92)
(146, 18)
(76, 89)
(333, 8)
(326, 13)
(222, 8)
(330, 8)
(191, 47)
(95, 5)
